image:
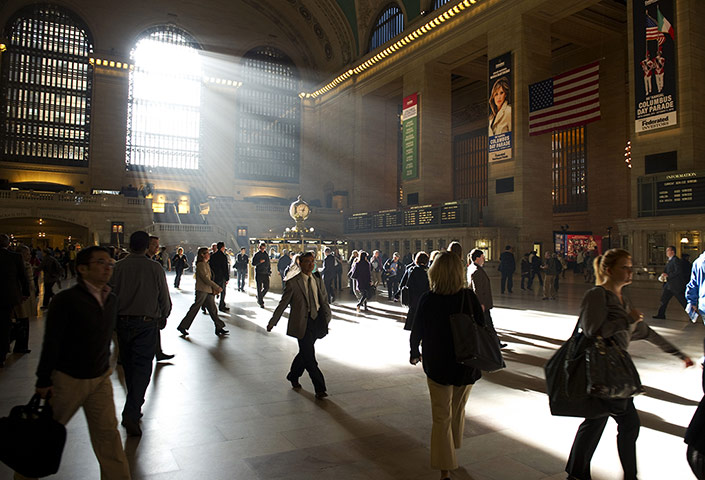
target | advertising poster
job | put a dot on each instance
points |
(654, 64)
(499, 132)
(410, 137)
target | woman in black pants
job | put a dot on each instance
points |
(179, 263)
(361, 274)
(607, 313)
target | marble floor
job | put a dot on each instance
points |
(221, 409)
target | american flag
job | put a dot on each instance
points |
(567, 100)
(652, 32)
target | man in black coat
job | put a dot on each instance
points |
(241, 262)
(14, 291)
(263, 269)
(675, 279)
(221, 272)
(329, 273)
(507, 266)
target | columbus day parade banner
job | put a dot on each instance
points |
(499, 131)
(654, 64)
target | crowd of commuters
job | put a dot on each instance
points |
(126, 292)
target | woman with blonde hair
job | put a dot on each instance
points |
(500, 107)
(206, 289)
(449, 382)
(606, 312)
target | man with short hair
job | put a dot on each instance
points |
(14, 291)
(376, 265)
(394, 270)
(479, 282)
(143, 307)
(329, 273)
(263, 270)
(308, 300)
(241, 263)
(507, 265)
(221, 272)
(74, 367)
(152, 252)
(675, 279)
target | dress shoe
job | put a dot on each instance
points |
(224, 309)
(182, 331)
(160, 356)
(321, 394)
(132, 427)
(221, 331)
(294, 383)
(503, 345)
(261, 305)
(660, 317)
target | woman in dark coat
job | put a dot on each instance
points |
(605, 312)
(361, 274)
(416, 280)
(179, 263)
(449, 382)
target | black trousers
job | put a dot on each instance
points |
(262, 280)
(508, 281)
(392, 287)
(48, 293)
(137, 337)
(328, 281)
(531, 278)
(588, 437)
(5, 324)
(666, 296)
(177, 279)
(222, 284)
(305, 360)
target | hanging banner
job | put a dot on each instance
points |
(499, 133)
(410, 138)
(654, 64)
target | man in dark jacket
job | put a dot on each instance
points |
(479, 282)
(74, 367)
(241, 262)
(221, 272)
(507, 266)
(263, 270)
(329, 273)
(675, 279)
(14, 291)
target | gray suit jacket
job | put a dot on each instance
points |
(295, 295)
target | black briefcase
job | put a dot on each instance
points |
(31, 441)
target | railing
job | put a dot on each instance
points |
(73, 198)
(180, 227)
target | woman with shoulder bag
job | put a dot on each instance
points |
(449, 382)
(605, 312)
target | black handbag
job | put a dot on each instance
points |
(567, 382)
(31, 441)
(611, 373)
(476, 344)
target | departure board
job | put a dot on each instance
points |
(451, 214)
(677, 193)
(447, 215)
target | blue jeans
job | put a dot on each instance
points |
(137, 337)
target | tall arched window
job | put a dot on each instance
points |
(389, 24)
(47, 86)
(438, 4)
(163, 112)
(269, 118)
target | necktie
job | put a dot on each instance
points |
(312, 311)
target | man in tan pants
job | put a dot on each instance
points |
(74, 368)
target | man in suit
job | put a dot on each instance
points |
(241, 263)
(308, 299)
(479, 282)
(15, 290)
(221, 272)
(507, 265)
(263, 270)
(675, 279)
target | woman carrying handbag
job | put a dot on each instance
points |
(607, 314)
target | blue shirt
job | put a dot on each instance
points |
(695, 290)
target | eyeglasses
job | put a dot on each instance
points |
(102, 262)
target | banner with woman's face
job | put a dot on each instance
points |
(499, 131)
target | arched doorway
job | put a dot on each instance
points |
(44, 232)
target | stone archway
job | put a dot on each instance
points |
(45, 232)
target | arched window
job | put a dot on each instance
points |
(389, 24)
(438, 4)
(163, 110)
(47, 85)
(269, 118)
